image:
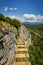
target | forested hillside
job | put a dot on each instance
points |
(35, 26)
(36, 49)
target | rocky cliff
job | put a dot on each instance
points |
(7, 43)
(9, 37)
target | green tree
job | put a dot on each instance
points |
(2, 17)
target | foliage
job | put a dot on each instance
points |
(36, 50)
(2, 18)
(16, 23)
(0, 29)
(13, 22)
(35, 26)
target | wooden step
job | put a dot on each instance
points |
(22, 55)
(21, 49)
(21, 63)
(22, 42)
(21, 45)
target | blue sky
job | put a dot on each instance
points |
(24, 10)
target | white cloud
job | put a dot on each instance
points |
(32, 18)
(5, 8)
(28, 18)
(14, 17)
(15, 8)
(9, 8)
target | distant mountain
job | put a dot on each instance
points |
(31, 22)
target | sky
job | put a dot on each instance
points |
(23, 10)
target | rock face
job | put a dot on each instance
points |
(7, 45)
